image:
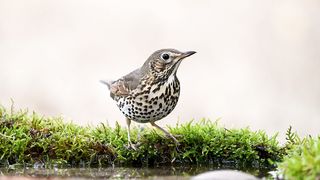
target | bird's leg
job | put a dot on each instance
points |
(129, 138)
(166, 132)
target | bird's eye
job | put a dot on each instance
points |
(165, 56)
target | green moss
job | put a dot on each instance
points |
(303, 159)
(29, 138)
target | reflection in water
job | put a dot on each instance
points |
(171, 172)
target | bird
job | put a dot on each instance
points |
(151, 92)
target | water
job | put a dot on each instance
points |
(163, 172)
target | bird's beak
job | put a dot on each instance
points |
(186, 54)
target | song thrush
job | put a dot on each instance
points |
(150, 92)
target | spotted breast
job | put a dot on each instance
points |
(151, 101)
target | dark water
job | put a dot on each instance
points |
(163, 172)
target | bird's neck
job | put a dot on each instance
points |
(167, 78)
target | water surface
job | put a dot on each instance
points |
(162, 172)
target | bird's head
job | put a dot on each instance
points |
(165, 62)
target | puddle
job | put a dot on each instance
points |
(163, 172)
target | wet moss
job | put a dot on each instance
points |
(303, 158)
(27, 138)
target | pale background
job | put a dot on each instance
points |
(258, 62)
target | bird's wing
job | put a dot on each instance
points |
(124, 85)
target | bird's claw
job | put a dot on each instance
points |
(173, 137)
(177, 135)
(133, 146)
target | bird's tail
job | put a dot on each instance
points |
(108, 83)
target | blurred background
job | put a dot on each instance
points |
(257, 63)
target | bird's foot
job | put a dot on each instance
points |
(177, 135)
(133, 146)
(173, 137)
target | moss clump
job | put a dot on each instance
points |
(303, 159)
(29, 138)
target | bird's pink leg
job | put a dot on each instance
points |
(129, 138)
(164, 131)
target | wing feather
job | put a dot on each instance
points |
(125, 85)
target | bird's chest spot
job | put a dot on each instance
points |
(152, 102)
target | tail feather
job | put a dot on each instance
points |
(108, 83)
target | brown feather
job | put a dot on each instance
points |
(126, 84)
(119, 88)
